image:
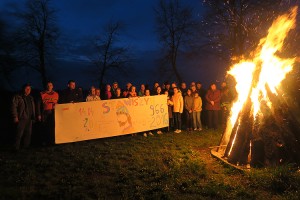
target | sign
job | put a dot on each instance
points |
(106, 118)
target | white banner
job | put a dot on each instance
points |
(107, 118)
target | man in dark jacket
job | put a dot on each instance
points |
(70, 94)
(23, 113)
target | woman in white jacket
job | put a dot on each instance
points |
(177, 109)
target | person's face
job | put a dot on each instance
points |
(128, 85)
(168, 86)
(147, 93)
(199, 85)
(27, 90)
(213, 87)
(115, 85)
(158, 90)
(167, 93)
(189, 92)
(193, 88)
(196, 94)
(108, 88)
(142, 87)
(175, 90)
(49, 86)
(133, 89)
(156, 85)
(173, 85)
(122, 119)
(183, 85)
(93, 91)
(193, 83)
(72, 85)
(98, 92)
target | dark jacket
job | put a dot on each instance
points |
(18, 107)
(70, 96)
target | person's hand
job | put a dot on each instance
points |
(212, 102)
(39, 118)
(16, 120)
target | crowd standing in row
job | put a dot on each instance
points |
(185, 106)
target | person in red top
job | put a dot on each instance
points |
(213, 97)
(47, 104)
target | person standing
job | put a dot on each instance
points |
(177, 109)
(226, 100)
(70, 94)
(108, 94)
(114, 88)
(188, 109)
(213, 97)
(23, 113)
(48, 99)
(197, 108)
(183, 89)
(118, 94)
(142, 90)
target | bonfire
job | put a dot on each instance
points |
(260, 130)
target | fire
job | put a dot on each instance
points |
(266, 69)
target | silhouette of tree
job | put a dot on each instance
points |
(109, 54)
(175, 27)
(37, 36)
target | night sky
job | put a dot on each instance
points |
(79, 20)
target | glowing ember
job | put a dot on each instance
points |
(266, 69)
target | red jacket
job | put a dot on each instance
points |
(214, 96)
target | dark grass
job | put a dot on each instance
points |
(168, 166)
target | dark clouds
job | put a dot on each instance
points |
(80, 20)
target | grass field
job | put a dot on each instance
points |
(168, 166)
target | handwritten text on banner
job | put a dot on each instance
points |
(99, 119)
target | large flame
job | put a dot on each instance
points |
(266, 69)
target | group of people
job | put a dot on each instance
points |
(185, 105)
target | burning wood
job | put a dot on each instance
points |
(261, 130)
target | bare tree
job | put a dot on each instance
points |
(175, 26)
(38, 35)
(109, 55)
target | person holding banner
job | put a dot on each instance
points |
(177, 100)
(47, 101)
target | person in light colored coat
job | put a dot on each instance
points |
(177, 100)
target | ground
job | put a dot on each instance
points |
(168, 166)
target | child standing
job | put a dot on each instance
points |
(197, 108)
(188, 108)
